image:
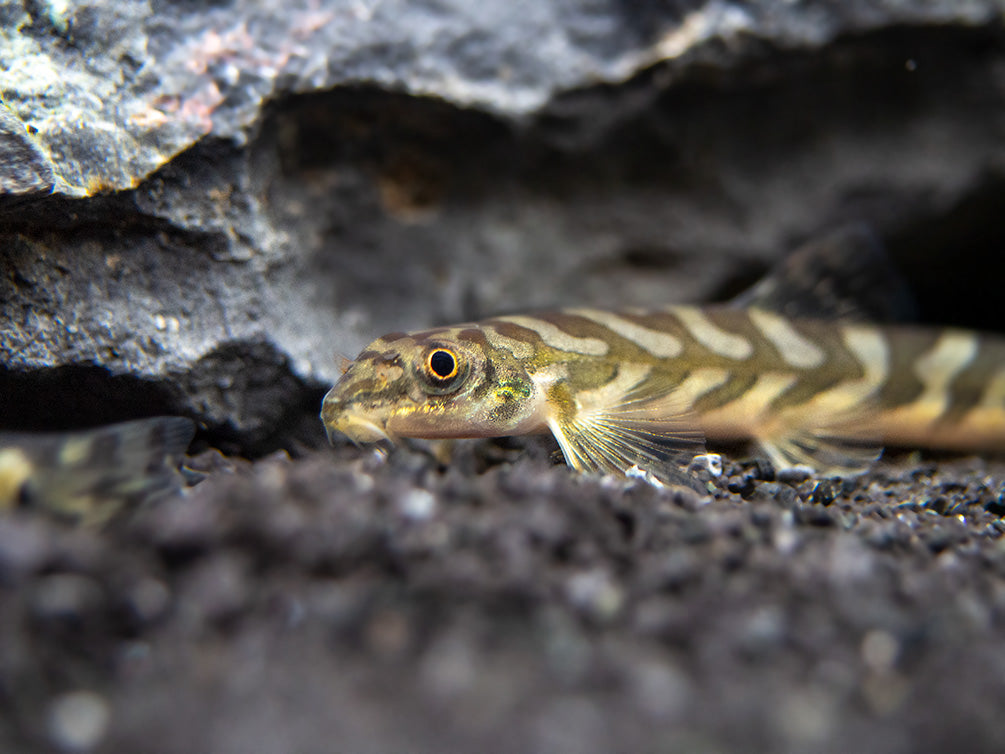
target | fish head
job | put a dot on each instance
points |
(446, 383)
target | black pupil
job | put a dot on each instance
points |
(442, 364)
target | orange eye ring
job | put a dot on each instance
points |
(442, 370)
(442, 365)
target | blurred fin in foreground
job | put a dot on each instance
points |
(90, 475)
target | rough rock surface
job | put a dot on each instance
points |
(201, 205)
(344, 602)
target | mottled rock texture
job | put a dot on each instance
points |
(203, 204)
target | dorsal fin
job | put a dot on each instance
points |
(845, 274)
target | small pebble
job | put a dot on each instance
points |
(879, 650)
(794, 474)
(595, 593)
(814, 515)
(762, 631)
(148, 600)
(780, 494)
(635, 472)
(78, 720)
(24, 546)
(824, 492)
(710, 462)
(806, 718)
(661, 689)
(996, 507)
(65, 597)
(417, 505)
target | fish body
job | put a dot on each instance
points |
(638, 387)
(799, 364)
(90, 475)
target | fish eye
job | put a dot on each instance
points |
(443, 367)
(441, 364)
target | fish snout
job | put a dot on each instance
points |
(340, 417)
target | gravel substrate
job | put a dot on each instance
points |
(347, 601)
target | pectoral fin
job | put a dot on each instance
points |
(626, 424)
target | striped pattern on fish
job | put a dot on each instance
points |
(636, 387)
(90, 475)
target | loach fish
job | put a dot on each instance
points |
(90, 475)
(791, 366)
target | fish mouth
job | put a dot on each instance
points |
(357, 428)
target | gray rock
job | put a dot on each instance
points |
(25, 167)
(202, 205)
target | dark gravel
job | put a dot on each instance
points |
(345, 601)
